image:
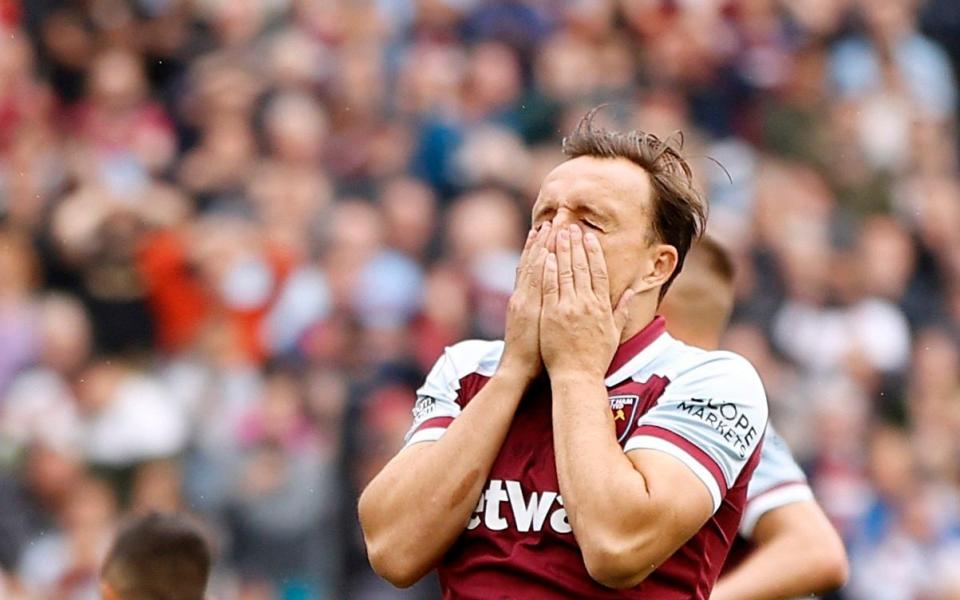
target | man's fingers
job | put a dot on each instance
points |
(581, 268)
(598, 267)
(521, 264)
(536, 238)
(542, 234)
(531, 236)
(535, 271)
(551, 282)
(565, 263)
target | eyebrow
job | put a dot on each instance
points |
(544, 208)
(579, 207)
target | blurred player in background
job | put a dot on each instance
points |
(793, 549)
(157, 557)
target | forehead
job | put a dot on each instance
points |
(597, 180)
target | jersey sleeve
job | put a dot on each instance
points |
(438, 399)
(777, 481)
(711, 417)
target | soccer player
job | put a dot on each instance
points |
(589, 454)
(795, 550)
(156, 557)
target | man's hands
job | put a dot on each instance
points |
(560, 313)
(521, 354)
(406, 536)
(579, 329)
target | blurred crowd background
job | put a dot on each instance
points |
(234, 234)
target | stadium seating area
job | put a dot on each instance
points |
(234, 234)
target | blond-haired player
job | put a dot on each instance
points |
(795, 550)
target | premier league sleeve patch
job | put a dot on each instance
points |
(624, 408)
(424, 408)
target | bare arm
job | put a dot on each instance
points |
(629, 514)
(798, 554)
(415, 509)
(419, 504)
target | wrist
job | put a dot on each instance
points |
(515, 373)
(568, 375)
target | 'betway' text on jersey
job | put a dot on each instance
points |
(530, 511)
(707, 409)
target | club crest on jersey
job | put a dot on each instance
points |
(624, 409)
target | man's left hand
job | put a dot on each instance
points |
(579, 328)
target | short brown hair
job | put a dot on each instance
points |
(701, 300)
(714, 257)
(158, 557)
(679, 210)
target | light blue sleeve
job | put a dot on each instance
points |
(777, 481)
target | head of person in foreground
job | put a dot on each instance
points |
(635, 192)
(157, 557)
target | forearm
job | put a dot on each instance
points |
(418, 505)
(798, 554)
(591, 467)
(594, 474)
(773, 572)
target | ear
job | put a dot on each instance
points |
(662, 262)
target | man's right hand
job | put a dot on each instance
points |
(406, 536)
(521, 354)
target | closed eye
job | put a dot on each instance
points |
(591, 224)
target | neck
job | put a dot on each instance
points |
(643, 307)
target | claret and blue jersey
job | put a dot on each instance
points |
(706, 409)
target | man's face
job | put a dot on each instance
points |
(611, 198)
